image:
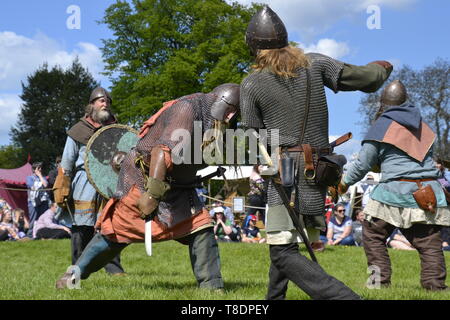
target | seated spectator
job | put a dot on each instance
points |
(340, 228)
(227, 210)
(251, 234)
(20, 220)
(398, 241)
(358, 218)
(224, 230)
(46, 227)
(445, 235)
(8, 228)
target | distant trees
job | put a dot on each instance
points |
(162, 50)
(54, 99)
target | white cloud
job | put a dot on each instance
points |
(9, 108)
(329, 47)
(21, 56)
(310, 18)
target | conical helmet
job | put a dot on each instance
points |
(266, 31)
(99, 92)
(394, 94)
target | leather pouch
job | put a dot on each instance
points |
(329, 169)
(425, 198)
(61, 188)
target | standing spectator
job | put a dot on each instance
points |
(284, 83)
(257, 194)
(46, 226)
(358, 218)
(38, 199)
(340, 228)
(52, 176)
(85, 198)
(251, 234)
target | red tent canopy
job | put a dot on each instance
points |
(13, 186)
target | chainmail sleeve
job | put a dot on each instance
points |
(250, 113)
(331, 69)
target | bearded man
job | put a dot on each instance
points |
(84, 199)
(154, 184)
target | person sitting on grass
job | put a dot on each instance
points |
(251, 234)
(46, 227)
(21, 220)
(7, 227)
(340, 228)
(398, 241)
(223, 227)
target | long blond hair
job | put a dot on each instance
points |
(283, 62)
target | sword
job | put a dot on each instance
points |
(298, 224)
(294, 214)
(148, 223)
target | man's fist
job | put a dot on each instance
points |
(385, 64)
(342, 188)
(146, 205)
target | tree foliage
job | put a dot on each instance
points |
(428, 89)
(54, 100)
(11, 157)
(162, 50)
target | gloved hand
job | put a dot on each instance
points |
(385, 64)
(343, 187)
(147, 205)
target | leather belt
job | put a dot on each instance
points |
(418, 180)
(313, 149)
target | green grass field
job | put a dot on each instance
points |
(28, 270)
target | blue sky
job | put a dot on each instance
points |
(413, 32)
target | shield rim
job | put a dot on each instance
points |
(88, 148)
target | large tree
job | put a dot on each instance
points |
(428, 89)
(12, 157)
(165, 49)
(54, 99)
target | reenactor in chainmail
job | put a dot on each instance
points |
(409, 196)
(155, 184)
(83, 199)
(275, 96)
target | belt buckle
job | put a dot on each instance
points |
(309, 174)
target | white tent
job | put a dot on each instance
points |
(231, 173)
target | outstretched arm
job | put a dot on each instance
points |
(368, 78)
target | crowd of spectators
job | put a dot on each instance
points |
(41, 221)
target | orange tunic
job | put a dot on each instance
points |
(120, 222)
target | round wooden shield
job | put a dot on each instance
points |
(104, 152)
